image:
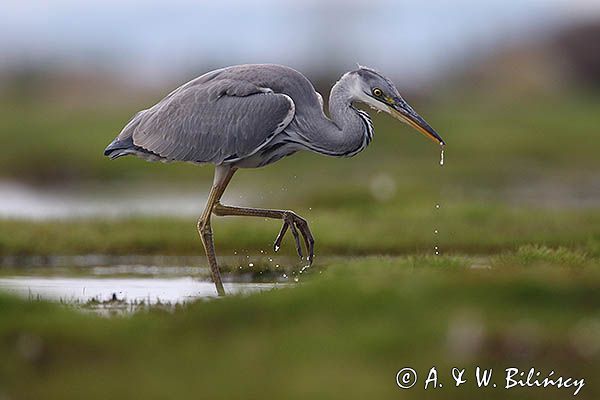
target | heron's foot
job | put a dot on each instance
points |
(295, 223)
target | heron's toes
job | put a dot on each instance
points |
(296, 224)
(309, 241)
(296, 239)
(280, 235)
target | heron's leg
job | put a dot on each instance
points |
(290, 219)
(222, 177)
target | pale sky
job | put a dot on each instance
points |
(152, 40)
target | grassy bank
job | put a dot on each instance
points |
(384, 229)
(343, 335)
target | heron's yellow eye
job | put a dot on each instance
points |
(377, 92)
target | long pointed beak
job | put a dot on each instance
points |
(406, 114)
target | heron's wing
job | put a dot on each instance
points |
(214, 121)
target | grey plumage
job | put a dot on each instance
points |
(220, 117)
(248, 116)
(210, 119)
(252, 115)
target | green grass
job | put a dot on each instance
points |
(489, 141)
(516, 284)
(381, 201)
(387, 229)
(342, 335)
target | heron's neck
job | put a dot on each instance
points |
(348, 131)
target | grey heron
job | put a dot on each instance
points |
(249, 116)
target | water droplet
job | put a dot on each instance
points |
(276, 248)
(435, 231)
(304, 268)
(284, 276)
(442, 156)
(276, 265)
(437, 206)
(437, 253)
(250, 264)
(296, 279)
(262, 252)
(270, 259)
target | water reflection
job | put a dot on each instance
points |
(81, 290)
(123, 283)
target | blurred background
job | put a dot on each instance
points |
(491, 259)
(511, 85)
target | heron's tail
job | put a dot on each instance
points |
(123, 144)
(119, 147)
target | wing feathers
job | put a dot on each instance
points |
(212, 121)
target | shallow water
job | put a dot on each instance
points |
(18, 200)
(128, 290)
(122, 283)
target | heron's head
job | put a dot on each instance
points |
(379, 92)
